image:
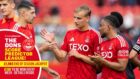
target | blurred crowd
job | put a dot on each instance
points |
(57, 15)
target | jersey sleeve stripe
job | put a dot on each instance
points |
(122, 41)
(16, 26)
(99, 36)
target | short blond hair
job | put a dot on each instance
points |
(83, 8)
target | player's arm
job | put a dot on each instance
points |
(52, 72)
(136, 61)
(59, 54)
(118, 66)
(134, 51)
(87, 59)
(133, 54)
(52, 45)
(122, 57)
(80, 56)
(43, 48)
(134, 57)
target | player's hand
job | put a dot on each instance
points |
(47, 46)
(54, 74)
(49, 37)
(74, 53)
(96, 57)
(52, 46)
(43, 47)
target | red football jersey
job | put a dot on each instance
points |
(7, 23)
(85, 42)
(112, 50)
(28, 30)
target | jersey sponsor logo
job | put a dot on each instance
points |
(110, 47)
(107, 54)
(72, 39)
(123, 53)
(80, 47)
(87, 40)
(102, 48)
(98, 48)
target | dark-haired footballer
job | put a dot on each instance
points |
(26, 11)
(130, 66)
(112, 52)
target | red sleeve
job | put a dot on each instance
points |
(123, 49)
(64, 45)
(97, 41)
